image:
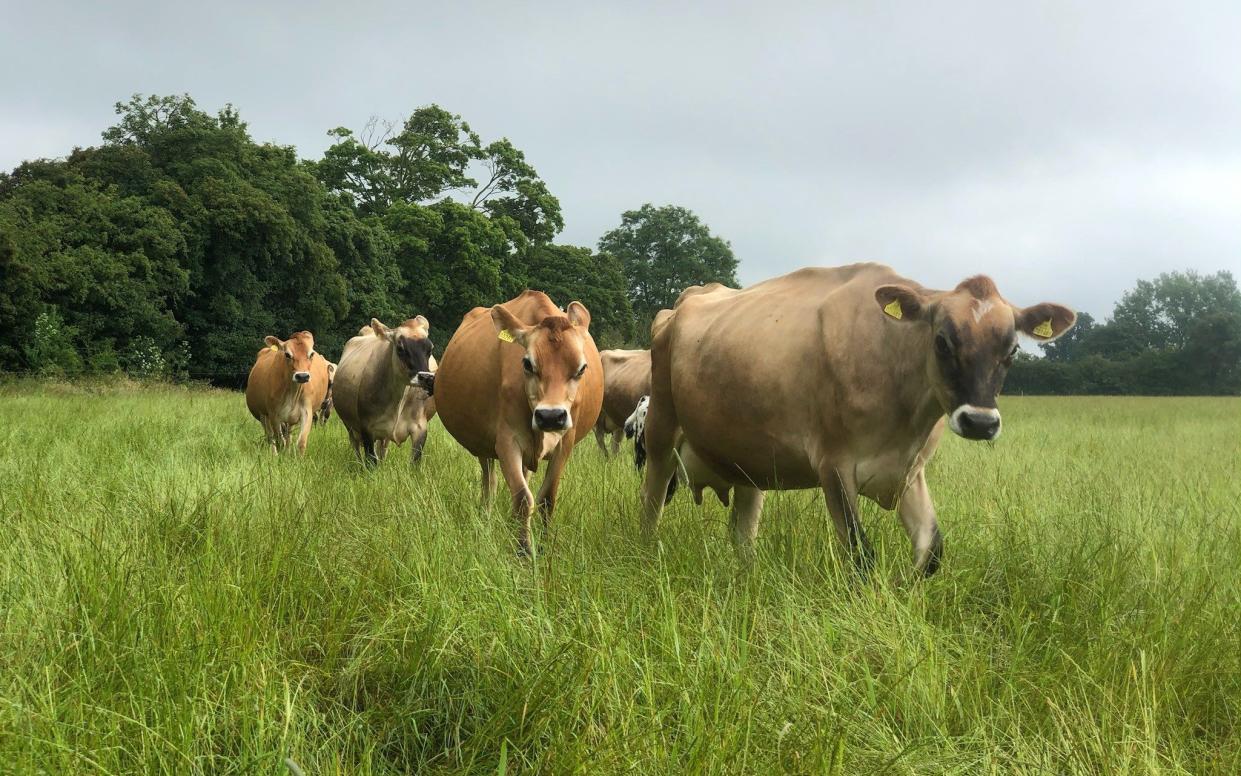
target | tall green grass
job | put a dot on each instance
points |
(173, 599)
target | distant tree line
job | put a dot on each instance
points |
(1179, 334)
(176, 244)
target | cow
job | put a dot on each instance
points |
(841, 379)
(287, 383)
(375, 392)
(626, 379)
(325, 408)
(635, 429)
(521, 382)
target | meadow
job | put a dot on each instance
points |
(174, 599)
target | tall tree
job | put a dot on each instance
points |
(663, 250)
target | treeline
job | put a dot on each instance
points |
(176, 244)
(1179, 334)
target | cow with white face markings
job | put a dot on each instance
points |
(841, 379)
(635, 429)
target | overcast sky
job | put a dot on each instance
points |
(1065, 148)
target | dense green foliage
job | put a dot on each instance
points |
(1177, 334)
(173, 599)
(178, 243)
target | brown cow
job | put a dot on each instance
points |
(521, 382)
(288, 382)
(373, 391)
(838, 379)
(626, 379)
(325, 409)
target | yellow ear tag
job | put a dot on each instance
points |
(272, 348)
(893, 309)
(1044, 328)
(505, 336)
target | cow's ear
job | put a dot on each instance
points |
(508, 327)
(579, 315)
(422, 321)
(378, 328)
(900, 303)
(272, 341)
(1044, 322)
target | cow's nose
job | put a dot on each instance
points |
(551, 420)
(301, 377)
(971, 422)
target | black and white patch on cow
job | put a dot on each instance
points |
(635, 426)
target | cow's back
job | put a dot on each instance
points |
(763, 379)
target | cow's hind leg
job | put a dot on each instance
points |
(419, 442)
(743, 518)
(841, 496)
(660, 444)
(918, 514)
(371, 456)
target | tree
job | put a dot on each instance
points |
(663, 250)
(432, 156)
(568, 272)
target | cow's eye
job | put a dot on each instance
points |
(311, 356)
(527, 365)
(580, 371)
(1013, 352)
(288, 355)
(942, 346)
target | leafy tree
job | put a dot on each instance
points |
(663, 250)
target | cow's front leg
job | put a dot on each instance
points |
(616, 440)
(515, 475)
(918, 514)
(304, 432)
(419, 442)
(841, 496)
(551, 479)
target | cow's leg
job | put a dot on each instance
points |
(419, 441)
(355, 439)
(841, 495)
(600, 433)
(551, 480)
(489, 481)
(271, 430)
(381, 449)
(304, 434)
(743, 518)
(660, 443)
(368, 447)
(515, 475)
(616, 440)
(918, 514)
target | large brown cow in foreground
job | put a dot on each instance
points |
(521, 382)
(626, 379)
(375, 392)
(287, 384)
(838, 379)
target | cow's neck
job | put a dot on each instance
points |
(918, 406)
(396, 376)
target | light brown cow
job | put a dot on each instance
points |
(287, 384)
(373, 392)
(838, 379)
(626, 379)
(521, 382)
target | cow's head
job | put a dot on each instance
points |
(411, 342)
(298, 351)
(970, 338)
(553, 363)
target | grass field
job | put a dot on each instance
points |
(175, 600)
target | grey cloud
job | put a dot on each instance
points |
(1065, 148)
